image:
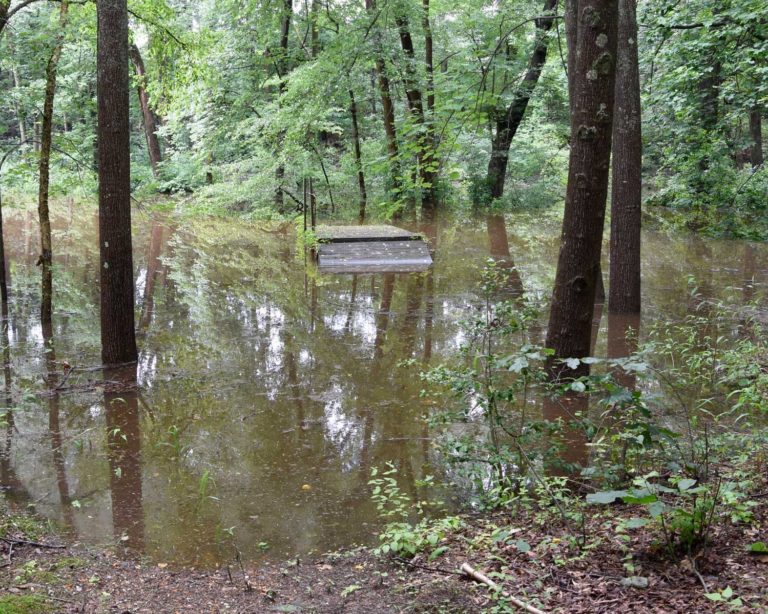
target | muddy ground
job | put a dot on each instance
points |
(614, 573)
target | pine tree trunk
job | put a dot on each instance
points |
(46, 143)
(509, 120)
(148, 117)
(756, 131)
(118, 336)
(578, 264)
(626, 186)
(358, 157)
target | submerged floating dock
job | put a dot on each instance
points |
(371, 249)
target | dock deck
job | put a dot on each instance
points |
(371, 249)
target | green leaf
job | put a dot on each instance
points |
(685, 484)
(656, 509)
(606, 496)
(759, 548)
(437, 552)
(636, 523)
(522, 545)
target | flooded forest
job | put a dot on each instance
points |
(383, 306)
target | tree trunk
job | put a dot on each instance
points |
(578, 264)
(358, 156)
(148, 117)
(425, 154)
(20, 116)
(282, 66)
(387, 108)
(509, 120)
(756, 131)
(4, 5)
(118, 335)
(626, 186)
(46, 138)
(429, 63)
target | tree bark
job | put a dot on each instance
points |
(46, 138)
(591, 125)
(148, 117)
(425, 154)
(358, 156)
(508, 121)
(282, 66)
(387, 108)
(756, 131)
(118, 335)
(429, 62)
(626, 186)
(4, 5)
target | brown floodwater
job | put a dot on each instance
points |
(266, 391)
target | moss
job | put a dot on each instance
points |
(24, 604)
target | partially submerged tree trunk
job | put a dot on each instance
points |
(592, 79)
(508, 121)
(756, 132)
(118, 335)
(46, 143)
(626, 186)
(358, 156)
(148, 116)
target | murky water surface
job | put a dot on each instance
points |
(266, 391)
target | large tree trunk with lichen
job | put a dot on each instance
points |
(46, 143)
(508, 120)
(592, 96)
(147, 115)
(624, 285)
(118, 335)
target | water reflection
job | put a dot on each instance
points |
(265, 392)
(121, 405)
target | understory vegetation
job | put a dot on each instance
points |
(660, 454)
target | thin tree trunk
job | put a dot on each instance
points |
(425, 154)
(387, 108)
(148, 117)
(46, 138)
(358, 157)
(429, 64)
(756, 131)
(282, 64)
(4, 6)
(626, 186)
(118, 335)
(573, 299)
(20, 117)
(509, 120)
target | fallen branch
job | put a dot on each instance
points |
(24, 542)
(482, 578)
